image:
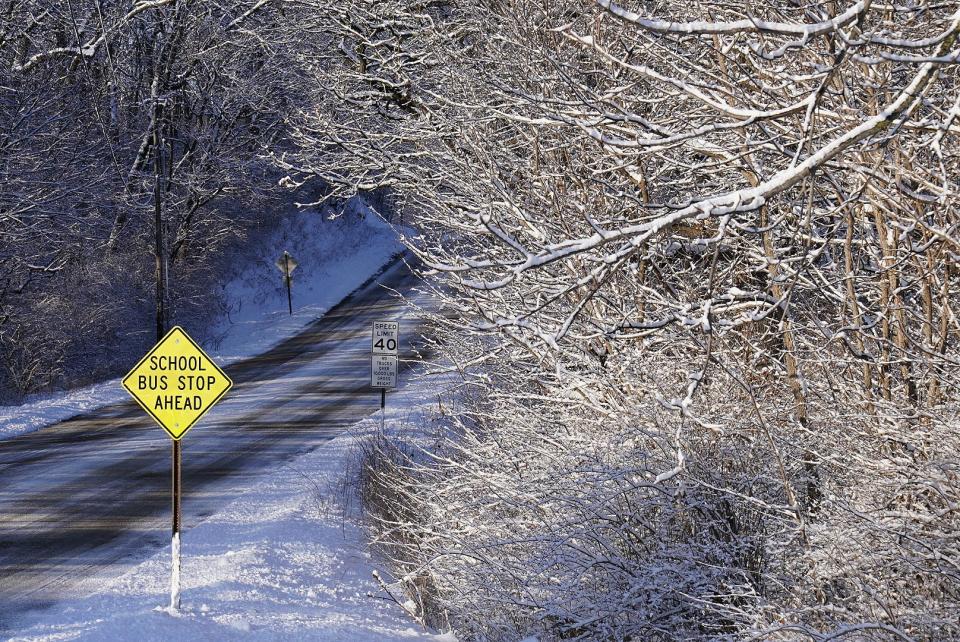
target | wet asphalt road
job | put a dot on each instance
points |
(82, 497)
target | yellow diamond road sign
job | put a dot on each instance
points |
(176, 382)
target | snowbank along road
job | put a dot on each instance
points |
(86, 496)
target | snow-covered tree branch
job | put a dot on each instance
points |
(725, 235)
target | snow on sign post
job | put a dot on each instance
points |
(176, 383)
(287, 265)
(383, 362)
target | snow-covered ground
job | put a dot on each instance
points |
(285, 561)
(334, 258)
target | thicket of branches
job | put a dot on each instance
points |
(710, 250)
(108, 108)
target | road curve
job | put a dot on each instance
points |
(81, 497)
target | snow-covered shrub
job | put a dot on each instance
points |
(546, 518)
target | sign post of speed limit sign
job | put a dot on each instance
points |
(383, 362)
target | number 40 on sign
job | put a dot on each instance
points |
(385, 337)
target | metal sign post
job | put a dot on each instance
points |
(383, 360)
(383, 408)
(176, 383)
(175, 537)
(287, 265)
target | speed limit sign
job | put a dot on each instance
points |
(386, 336)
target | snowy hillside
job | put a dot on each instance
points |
(335, 249)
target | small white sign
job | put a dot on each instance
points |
(386, 337)
(383, 372)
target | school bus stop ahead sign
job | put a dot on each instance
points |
(176, 383)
